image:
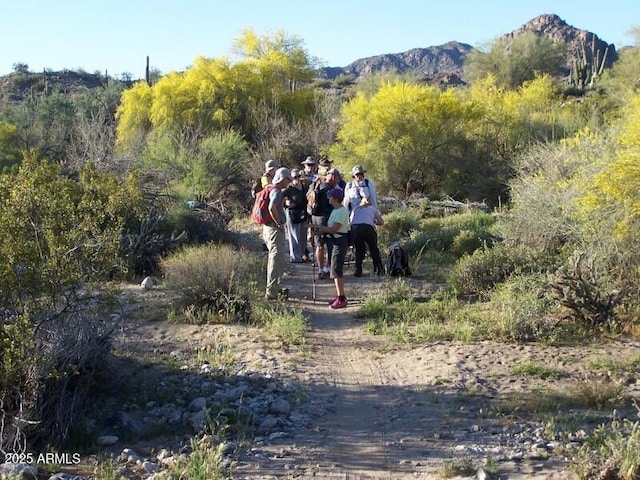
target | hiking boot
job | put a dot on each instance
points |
(324, 276)
(337, 303)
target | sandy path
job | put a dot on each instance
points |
(395, 413)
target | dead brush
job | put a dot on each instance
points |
(580, 290)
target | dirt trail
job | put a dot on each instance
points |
(398, 413)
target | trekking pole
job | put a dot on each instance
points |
(313, 279)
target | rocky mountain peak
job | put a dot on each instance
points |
(581, 44)
(443, 64)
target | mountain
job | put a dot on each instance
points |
(438, 64)
(443, 64)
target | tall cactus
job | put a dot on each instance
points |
(586, 71)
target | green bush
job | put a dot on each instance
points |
(217, 277)
(611, 451)
(397, 226)
(480, 272)
(523, 309)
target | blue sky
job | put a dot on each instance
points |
(117, 35)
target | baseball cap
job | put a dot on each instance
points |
(336, 193)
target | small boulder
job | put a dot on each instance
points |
(147, 283)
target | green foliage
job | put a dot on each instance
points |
(398, 225)
(287, 325)
(9, 149)
(56, 232)
(622, 81)
(480, 272)
(516, 60)
(71, 128)
(210, 167)
(204, 462)
(215, 94)
(613, 449)
(217, 277)
(405, 135)
(523, 310)
(534, 369)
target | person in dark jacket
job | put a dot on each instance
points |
(364, 219)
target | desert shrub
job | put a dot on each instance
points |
(218, 277)
(164, 230)
(144, 242)
(584, 291)
(58, 235)
(611, 451)
(454, 234)
(541, 213)
(75, 366)
(397, 226)
(484, 269)
(200, 225)
(523, 309)
(51, 367)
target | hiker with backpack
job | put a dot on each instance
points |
(266, 178)
(337, 232)
(364, 219)
(270, 202)
(321, 208)
(296, 210)
(359, 188)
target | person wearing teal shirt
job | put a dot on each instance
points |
(337, 232)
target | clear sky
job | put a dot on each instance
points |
(116, 36)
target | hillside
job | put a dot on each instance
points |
(442, 64)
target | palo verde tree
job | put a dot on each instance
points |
(515, 60)
(217, 94)
(411, 138)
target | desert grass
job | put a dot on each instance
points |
(535, 369)
(286, 324)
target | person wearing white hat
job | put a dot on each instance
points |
(359, 188)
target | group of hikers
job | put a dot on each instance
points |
(316, 211)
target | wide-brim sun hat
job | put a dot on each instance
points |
(281, 174)
(270, 165)
(309, 161)
(325, 162)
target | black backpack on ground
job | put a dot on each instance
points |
(397, 264)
